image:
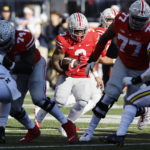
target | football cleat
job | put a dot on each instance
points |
(70, 129)
(31, 134)
(2, 135)
(63, 132)
(87, 136)
(144, 119)
(113, 139)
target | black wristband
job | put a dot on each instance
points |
(136, 80)
(91, 59)
(22, 68)
(7, 63)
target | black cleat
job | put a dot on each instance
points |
(113, 139)
(2, 135)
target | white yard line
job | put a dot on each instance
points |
(111, 119)
(72, 145)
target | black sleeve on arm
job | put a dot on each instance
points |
(112, 51)
(22, 68)
(25, 66)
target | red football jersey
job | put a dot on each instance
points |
(101, 31)
(74, 49)
(24, 40)
(132, 45)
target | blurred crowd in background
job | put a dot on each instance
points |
(45, 19)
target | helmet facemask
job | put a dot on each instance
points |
(137, 22)
(78, 35)
(106, 17)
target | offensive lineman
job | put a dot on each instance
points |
(106, 18)
(24, 60)
(132, 32)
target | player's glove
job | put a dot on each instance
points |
(131, 80)
(72, 71)
(90, 65)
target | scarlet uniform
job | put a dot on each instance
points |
(23, 41)
(132, 45)
(82, 87)
(132, 59)
(74, 50)
(101, 31)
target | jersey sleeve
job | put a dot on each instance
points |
(119, 20)
(96, 37)
(61, 43)
(29, 40)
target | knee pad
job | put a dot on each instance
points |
(101, 108)
(140, 111)
(18, 114)
(61, 99)
(47, 104)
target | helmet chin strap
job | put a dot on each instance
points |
(79, 38)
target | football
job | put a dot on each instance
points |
(64, 63)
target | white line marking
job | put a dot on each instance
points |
(76, 145)
(80, 131)
(111, 119)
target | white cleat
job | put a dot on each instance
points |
(144, 119)
(87, 136)
(62, 131)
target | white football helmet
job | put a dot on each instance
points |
(115, 8)
(139, 13)
(105, 16)
(77, 22)
(7, 36)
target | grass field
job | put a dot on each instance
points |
(51, 139)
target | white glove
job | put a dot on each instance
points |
(89, 67)
(143, 86)
(127, 81)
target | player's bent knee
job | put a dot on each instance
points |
(101, 108)
(61, 99)
(46, 104)
(18, 114)
(80, 105)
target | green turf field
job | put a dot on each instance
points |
(51, 139)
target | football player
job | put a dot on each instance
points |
(24, 60)
(132, 32)
(106, 18)
(78, 43)
(8, 93)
